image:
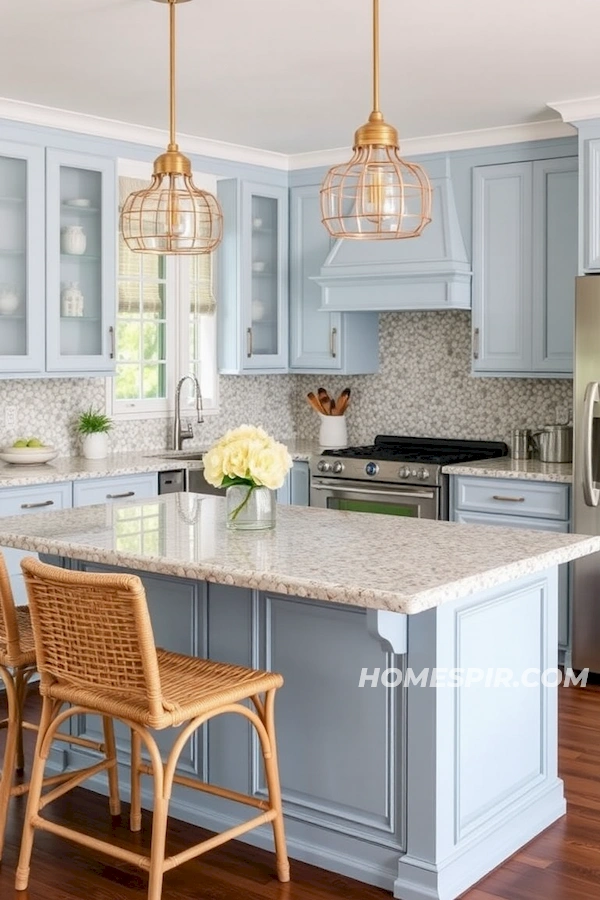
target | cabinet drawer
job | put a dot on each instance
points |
(468, 518)
(125, 487)
(20, 501)
(35, 498)
(513, 498)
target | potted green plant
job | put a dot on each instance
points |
(94, 426)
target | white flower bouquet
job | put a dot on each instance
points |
(249, 458)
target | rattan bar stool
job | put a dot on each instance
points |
(17, 666)
(96, 650)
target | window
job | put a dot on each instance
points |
(165, 325)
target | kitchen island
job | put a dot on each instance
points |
(418, 788)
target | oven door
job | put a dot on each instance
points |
(391, 500)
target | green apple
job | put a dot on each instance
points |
(20, 443)
(34, 442)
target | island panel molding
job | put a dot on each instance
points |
(317, 642)
(472, 820)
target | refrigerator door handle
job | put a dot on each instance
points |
(591, 494)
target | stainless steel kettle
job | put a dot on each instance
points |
(554, 443)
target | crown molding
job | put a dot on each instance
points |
(112, 129)
(442, 143)
(82, 123)
(577, 110)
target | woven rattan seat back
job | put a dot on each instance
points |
(93, 632)
(9, 629)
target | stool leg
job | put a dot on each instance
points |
(33, 800)
(113, 775)
(159, 839)
(10, 751)
(274, 788)
(21, 687)
(135, 816)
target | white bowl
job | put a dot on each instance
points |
(28, 456)
(78, 201)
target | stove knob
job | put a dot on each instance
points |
(371, 468)
(422, 474)
(338, 467)
(404, 472)
(324, 466)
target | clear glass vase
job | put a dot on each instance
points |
(250, 508)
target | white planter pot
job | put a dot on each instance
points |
(95, 446)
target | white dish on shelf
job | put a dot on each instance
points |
(28, 456)
(79, 201)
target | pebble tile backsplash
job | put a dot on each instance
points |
(424, 387)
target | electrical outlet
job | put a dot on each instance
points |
(10, 417)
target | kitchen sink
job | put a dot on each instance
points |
(179, 454)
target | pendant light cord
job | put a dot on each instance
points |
(376, 56)
(172, 144)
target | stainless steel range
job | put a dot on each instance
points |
(398, 476)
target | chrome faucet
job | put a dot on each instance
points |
(184, 434)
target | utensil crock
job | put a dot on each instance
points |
(333, 431)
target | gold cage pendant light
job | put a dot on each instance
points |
(377, 196)
(172, 215)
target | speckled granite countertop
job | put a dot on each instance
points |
(507, 467)
(314, 553)
(75, 468)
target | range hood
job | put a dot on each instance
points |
(428, 272)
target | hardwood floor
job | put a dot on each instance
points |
(562, 864)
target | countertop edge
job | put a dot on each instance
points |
(299, 587)
(524, 470)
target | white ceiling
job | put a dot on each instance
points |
(294, 75)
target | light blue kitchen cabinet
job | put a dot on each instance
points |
(524, 266)
(555, 249)
(252, 281)
(590, 157)
(295, 489)
(300, 484)
(320, 341)
(534, 505)
(81, 229)
(22, 283)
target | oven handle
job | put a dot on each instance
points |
(417, 495)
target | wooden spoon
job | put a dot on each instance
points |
(315, 403)
(324, 400)
(342, 401)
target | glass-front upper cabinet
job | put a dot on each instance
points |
(81, 216)
(263, 314)
(253, 278)
(22, 283)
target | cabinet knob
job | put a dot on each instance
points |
(111, 336)
(249, 342)
(476, 343)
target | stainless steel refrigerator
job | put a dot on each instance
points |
(586, 472)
